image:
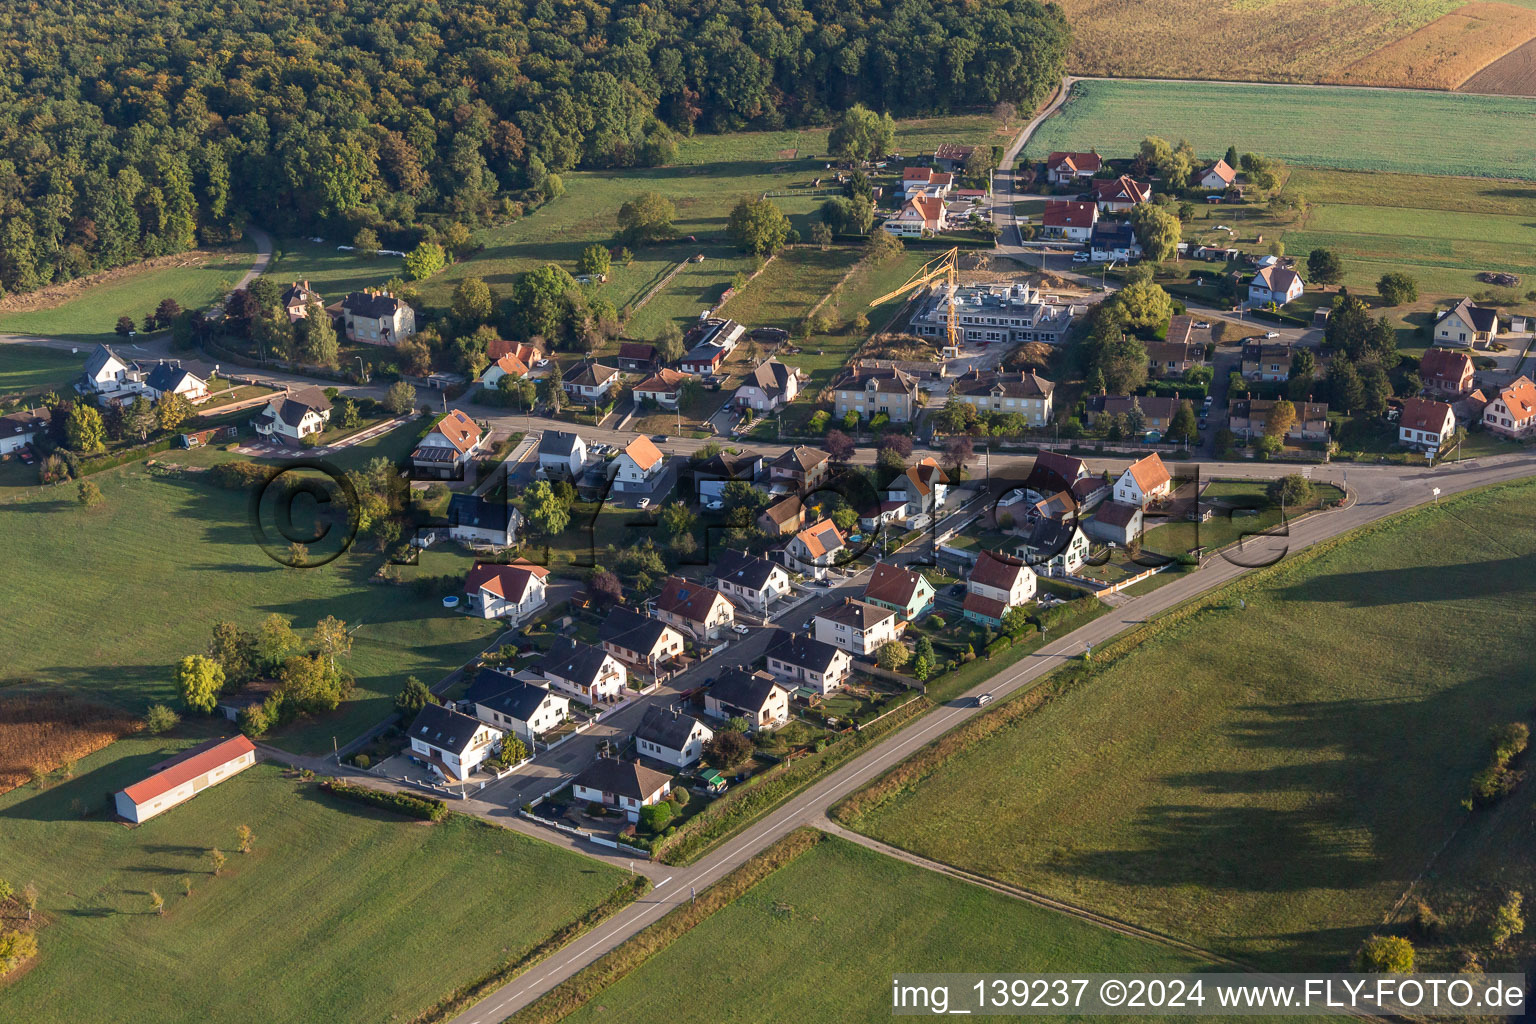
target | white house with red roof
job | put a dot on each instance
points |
(1120, 194)
(449, 445)
(694, 608)
(1068, 168)
(1069, 220)
(917, 181)
(815, 548)
(638, 466)
(1144, 481)
(1425, 423)
(515, 362)
(1218, 175)
(921, 215)
(513, 591)
(664, 387)
(1275, 284)
(180, 778)
(1512, 412)
(997, 583)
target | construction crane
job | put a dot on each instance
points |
(944, 266)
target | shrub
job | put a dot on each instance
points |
(1386, 954)
(1508, 919)
(819, 422)
(936, 621)
(1509, 740)
(680, 796)
(408, 804)
(161, 719)
(1426, 923)
(657, 816)
(361, 760)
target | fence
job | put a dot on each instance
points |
(1128, 582)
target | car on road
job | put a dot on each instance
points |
(643, 503)
(740, 630)
(1201, 325)
(660, 438)
(1209, 401)
(1202, 422)
(1271, 334)
(808, 625)
(984, 700)
(1081, 257)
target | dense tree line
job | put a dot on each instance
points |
(132, 129)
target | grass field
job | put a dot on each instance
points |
(341, 913)
(835, 924)
(1349, 129)
(330, 272)
(789, 286)
(1263, 781)
(150, 572)
(91, 316)
(1225, 526)
(33, 368)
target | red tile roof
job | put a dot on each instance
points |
(1149, 473)
(1444, 367)
(188, 768)
(1520, 399)
(1087, 163)
(997, 570)
(892, 584)
(508, 582)
(1069, 214)
(461, 431)
(644, 452)
(1423, 414)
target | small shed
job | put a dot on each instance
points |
(180, 778)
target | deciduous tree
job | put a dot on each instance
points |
(199, 680)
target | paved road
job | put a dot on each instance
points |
(1377, 492)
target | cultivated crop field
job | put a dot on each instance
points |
(1349, 129)
(43, 732)
(1267, 780)
(1447, 51)
(341, 912)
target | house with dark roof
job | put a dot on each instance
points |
(1115, 522)
(514, 591)
(1467, 323)
(583, 671)
(180, 778)
(750, 581)
(711, 475)
(639, 641)
(169, 377)
(562, 454)
(671, 736)
(951, 156)
(106, 372)
(1052, 473)
(1248, 416)
(291, 417)
(772, 385)
(449, 446)
(756, 696)
(19, 429)
(524, 709)
(800, 468)
(638, 357)
(1275, 284)
(1260, 361)
(872, 390)
(1114, 240)
(784, 516)
(804, 661)
(590, 382)
(857, 627)
(476, 520)
(1070, 168)
(699, 611)
(622, 784)
(903, 591)
(451, 743)
(297, 298)
(253, 694)
(1053, 546)
(1024, 392)
(1446, 372)
(375, 317)
(997, 583)
(1157, 411)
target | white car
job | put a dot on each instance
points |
(1201, 325)
(1272, 334)
(714, 506)
(541, 364)
(643, 503)
(740, 629)
(1081, 257)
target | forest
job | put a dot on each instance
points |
(131, 129)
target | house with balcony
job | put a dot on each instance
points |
(450, 743)
(803, 661)
(698, 611)
(585, 672)
(858, 627)
(752, 582)
(997, 583)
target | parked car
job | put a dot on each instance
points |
(1209, 401)
(714, 506)
(1271, 334)
(1201, 325)
(740, 630)
(643, 503)
(825, 584)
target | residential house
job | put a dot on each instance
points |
(709, 342)
(857, 627)
(1249, 415)
(180, 778)
(105, 373)
(1116, 523)
(562, 454)
(871, 390)
(1120, 194)
(997, 583)
(917, 182)
(622, 784)
(1467, 324)
(903, 591)
(475, 520)
(1275, 284)
(1052, 473)
(449, 446)
(294, 415)
(772, 385)
(807, 662)
(750, 581)
(671, 736)
(515, 591)
(1071, 168)
(639, 466)
(1069, 220)
(1446, 372)
(756, 696)
(1114, 240)
(802, 469)
(711, 475)
(170, 378)
(1266, 362)
(1425, 424)
(1219, 175)
(699, 611)
(1054, 546)
(638, 357)
(639, 641)
(451, 743)
(516, 362)
(19, 429)
(923, 488)
(297, 298)
(951, 156)
(1145, 481)
(1173, 358)
(816, 548)
(785, 516)
(1156, 412)
(1057, 506)
(375, 317)
(583, 671)
(1512, 412)
(590, 382)
(253, 694)
(1024, 392)
(704, 360)
(919, 216)
(524, 709)
(664, 387)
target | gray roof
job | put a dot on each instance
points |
(1021, 384)
(371, 305)
(444, 728)
(857, 614)
(630, 630)
(168, 377)
(25, 421)
(771, 377)
(521, 702)
(1047, 538)
(475, 512)
(292, 406)
(725, 466)
(558, 442)
(576, 662)
(1480, 318)
(801, 650)
(666, 728)
(588, 374)
(488, 683)
(99, 358)
(622, 778)
(747, 690)
(745, 570)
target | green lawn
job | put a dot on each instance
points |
(1264, 781)
(1351, 129)
(33, 368)
(92, 316)
(835, 924)
(789, 286)
(329, 271)
(341, 913)
(1251, 512)
(150, 573)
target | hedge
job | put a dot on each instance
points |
(408, 804)
(100, 462)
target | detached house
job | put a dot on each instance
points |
(1070, 168)
(1467, 324)
(1069, 220)
(756, 696)
(377, 318)
(907, 593)
(771, 386)
(664, 387)
(816, 547)
(801, 468)
(671, 736)
(1053, 546)
(997, 583)
(859, 628)
(1120, 194)
(784, 516)
(639, 641)
(754, 583)
(923, 488)
(1144, 481)
(808, 662)
(516, 362)
(105, 372)
(19, 429)
(1024, 392)
(869, 391)
(291, 417)
(452, 744)
(512, 705)
(639, 466)
(1116, 523)
(1446, 372)
(638, 357)
(562, 454)
(1512, 412)
(297, 298)
(1249, 416)
(585, 672)
(590, 382)
(1425, 423)
(699, 611)
(621, 784)
(918, 216)
(514, 591)
(170, 379)
(1053, 473)
(1219, 175)
(474, 520)
(1114, 240)
(448, 447)
(1274, 284)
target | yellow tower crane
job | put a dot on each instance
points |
(941, 266)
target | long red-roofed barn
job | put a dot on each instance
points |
(182, 777)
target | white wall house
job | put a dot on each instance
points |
(21, 428)
(182, 777)
(638, 466)
(621, 784)
(562, 454)
(804, 661)
(585, 672)
(1144, 481)
(752, 582)
(377, 318)
(451, 743)
(1275, 284)
(671, 736)
(514, 592)
(291, 417)
(1425, 423)
(523, 709)
(857, 627)
(997, 583)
